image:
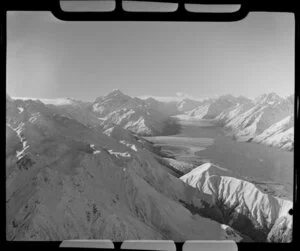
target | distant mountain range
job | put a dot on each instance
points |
(268, 119)
(81, 170)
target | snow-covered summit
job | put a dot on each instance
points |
(110, 102)
(268, 98)
(115, 93)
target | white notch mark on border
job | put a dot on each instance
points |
(106, 244)
(212, 8)
(142, 6)
(164, 245)
(226, 245)
(87, 5)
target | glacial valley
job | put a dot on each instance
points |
(128, 168)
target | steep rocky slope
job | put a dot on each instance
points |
(269, 119)
(241, 205)
(280, 134)
(143, 117)
(211, 108)
(73, 181)
(267, 110)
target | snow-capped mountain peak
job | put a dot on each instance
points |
(268, 98)
(116, 93)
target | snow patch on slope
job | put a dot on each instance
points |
(118, 154)
(116, 118)
(34, 117)
(95, 151)
(138, 126)
(108, 131)
(21, 109)
(98, 108)
(19, 129)
(132, 146)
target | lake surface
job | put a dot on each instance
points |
(270, 168)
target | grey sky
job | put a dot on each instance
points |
(48, 58)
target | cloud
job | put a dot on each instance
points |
(161, 98)
(180, 94)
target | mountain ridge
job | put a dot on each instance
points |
(73, 175)
(243, 118)
(250, 210)
(74, 181)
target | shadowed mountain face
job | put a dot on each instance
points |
(79, 170)
(67, 180)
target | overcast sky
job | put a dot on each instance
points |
(48, 58)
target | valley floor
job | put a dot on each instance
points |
(270, 169)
